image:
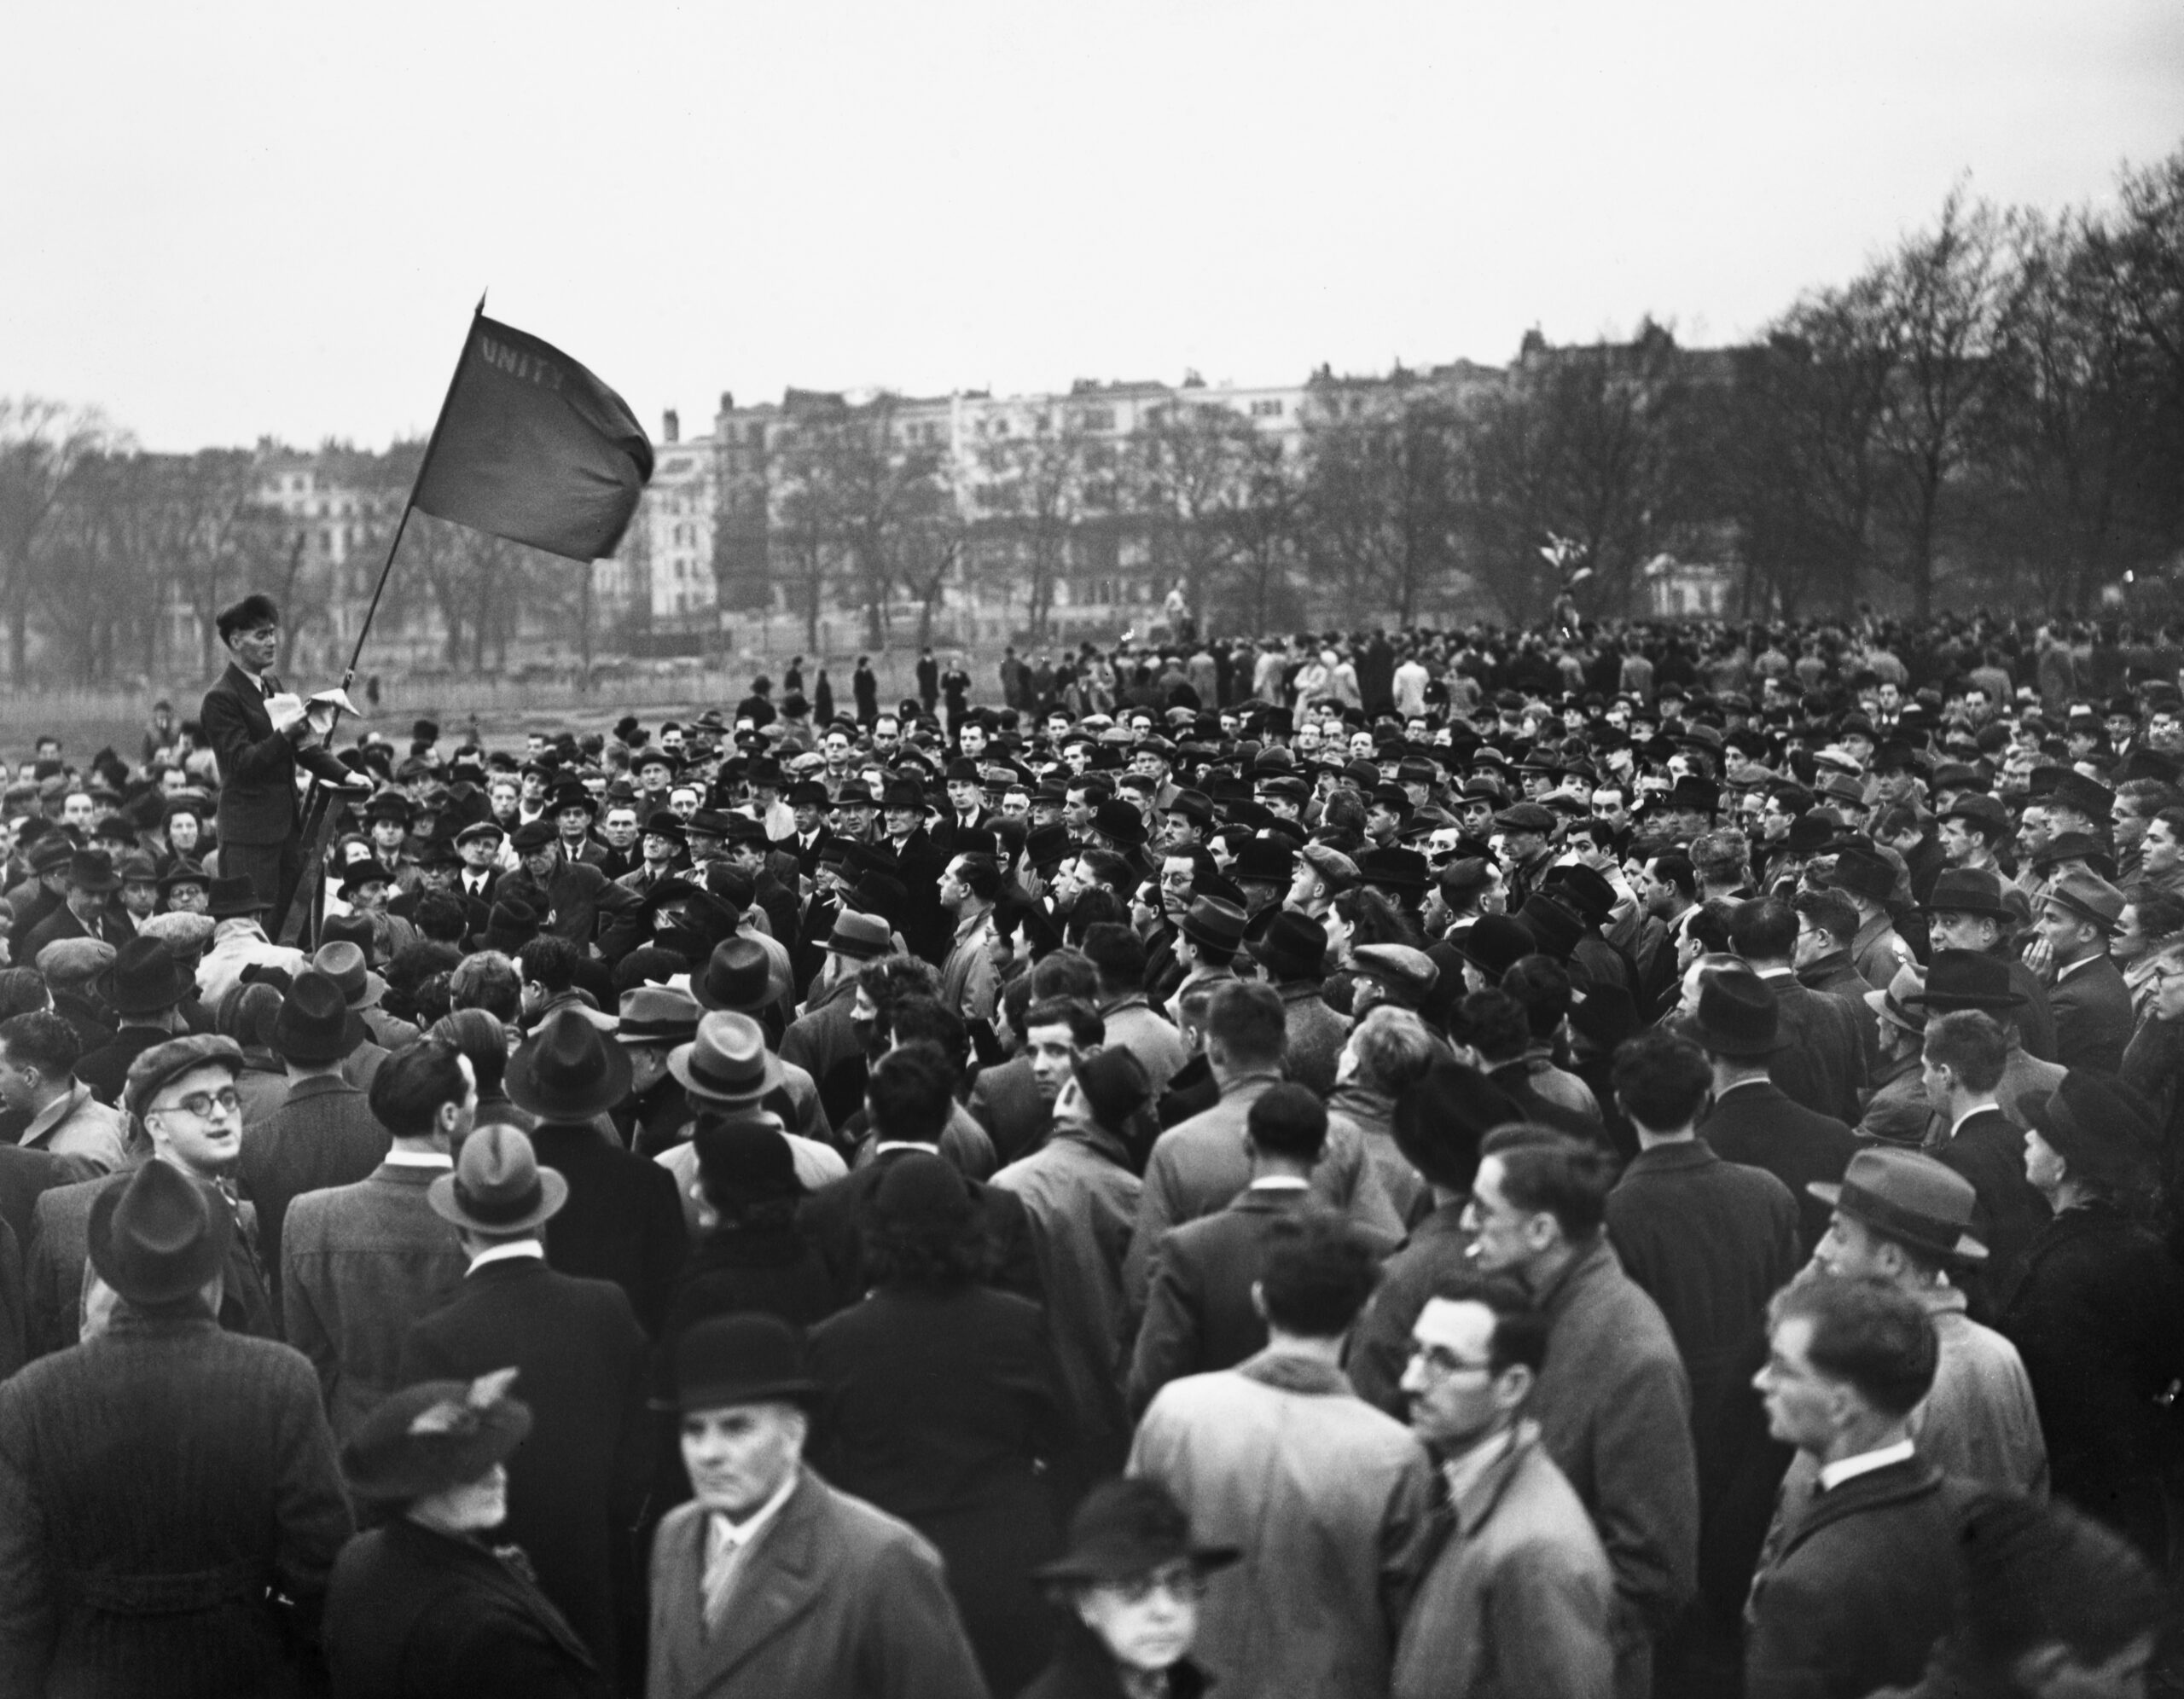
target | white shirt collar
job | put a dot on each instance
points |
(2066, 971)
(1834, 1474)
(507, 1253)
(1957, 1125)
(887, 1145)
(1463, 1473)
(1279, 1182)
(398, 1157)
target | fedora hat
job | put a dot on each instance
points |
(566, 1071)
(727, 1062)
(2090, 797)
(1128, 1529)
(1292, 946)
(1899, 1002)
(1738, 1014)
(159, 1236)
(230, 899)
(1557, 930)
(863, 938)
(436, 1435)
(658, 1014)
(2089, 896)
(1119, 823)
(737, 976)
(745, 1358)
(343, 962)
(1968, 890)
(1910, 1197)
(314, 1027)
(92, 870)
(1966, 979)
(143, 979)
(497, 1186)
(2105, 1133)
(1214, 922)
(1605, 1015)
(1441, 1117)
(1863, 874)
(1264, 860)
(1393, 869)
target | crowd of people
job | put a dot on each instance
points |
(1602, 1161)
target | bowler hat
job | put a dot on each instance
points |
(727, 1062)
(1441, 1117)
(1394, 869)
(1493, 942)
(1738, 1014)
(1968, 890)
(434, 1435)
(737, 976)
(1119, 823)
(497, 1186)
(742, 1359)
(744, 1152)
(160, 1235)
(314, 1027)
(143, 979)
(1812, 832)
(1293, 946)
(1910, 1197)
(1126, 1529)
(163, 1064)
(566, 1071)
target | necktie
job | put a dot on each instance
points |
(723, 1562)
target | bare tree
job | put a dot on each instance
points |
(1034, 490)
(41, 441)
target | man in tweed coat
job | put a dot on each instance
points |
(165, 1487)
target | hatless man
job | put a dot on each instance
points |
(970, 983)
(1613, 1400)
(1322, 1494)
(61, 1115)
(361, 1263)
(1963, 1054)
(1515, 1592)
(1860, 1587)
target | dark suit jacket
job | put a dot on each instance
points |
(586, 906)
(62, 922)
(1758, 1126)
(1006, 1101)
(623, 1221)
(105, 1071)
(1864, 1585)
(576, 1485)
(1822, 1062)
(1988, 1151)
(414, 1612)
(919, 863)
(836, 1598)
(257, 764)
(325, 1135)
(833, 1215)
(1198, 1311)
(177, 1472)
(2093, 1017)
(25, 1176)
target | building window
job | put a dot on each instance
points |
(1266, 409)
(1096, 418)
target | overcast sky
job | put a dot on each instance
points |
(233, 220)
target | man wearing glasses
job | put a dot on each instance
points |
(1517, 1590)
(183, 1092)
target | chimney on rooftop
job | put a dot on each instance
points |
(727, 400)
(670, 427)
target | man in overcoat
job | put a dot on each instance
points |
(770, 1582)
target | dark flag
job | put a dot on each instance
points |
(533, 448)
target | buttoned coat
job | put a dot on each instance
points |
(1757, 1125)
(1614, 1408)
(1863, 1585)
(431, 1616)
(623, 1221)
(1988, 1152)
(1199, 1164)
(155, 1484)
(1325, 1497)
(1821, 1063)
(1516, 1593)
(2093, 1017)
(362, 1264)
(576, 1484)
(324, 1135)
(836, 1597)
(257, 765)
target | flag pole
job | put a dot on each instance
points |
(315, 802)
